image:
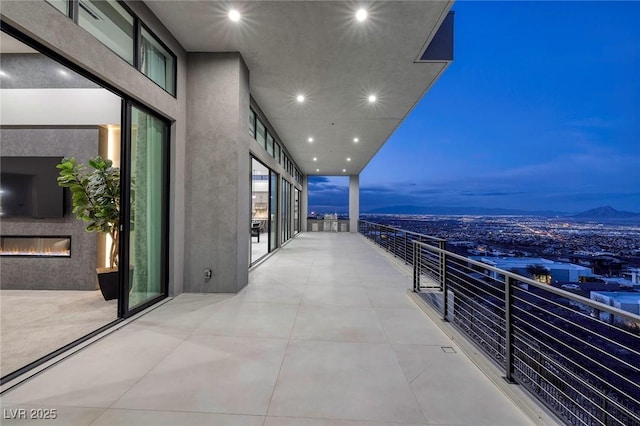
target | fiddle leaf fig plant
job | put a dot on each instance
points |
(95, 195)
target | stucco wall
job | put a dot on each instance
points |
(218, 181)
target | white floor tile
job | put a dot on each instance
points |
(335, 323)
(343, 381)
(250, 319)
(211, 374)
(119, 417)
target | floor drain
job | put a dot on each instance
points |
(448, 350)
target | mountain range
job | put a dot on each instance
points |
(605, 212)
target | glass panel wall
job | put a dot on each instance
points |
(61, 5)
(260, 192)
(59, 300)
(286, 210)
(110, 23)
(296, 211)
(147, 218)
(261, 134)
(156, 62)
(252, 123)
(273, 211)
(270, 144)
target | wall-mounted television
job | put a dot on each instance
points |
(29, 187)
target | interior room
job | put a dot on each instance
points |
(49, 294)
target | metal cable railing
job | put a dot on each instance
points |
(578, 356)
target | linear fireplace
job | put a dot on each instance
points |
(35, 246)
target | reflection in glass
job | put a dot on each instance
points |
(61, 5)
(110, 23)
(296, 211)
(259, 210)
(148, 136)
(273, 211)
(156, 62)
(261, 134)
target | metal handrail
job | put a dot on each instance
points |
(554, 343)
(557, 291)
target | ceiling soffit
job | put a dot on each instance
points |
(319, 49)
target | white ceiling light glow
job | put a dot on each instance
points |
(356, 140)
(234, 15)
(317, 170)
(315, 158)
(348, 158)
(372, 98)
(344, 170)
(300, 98)
(361, 15)
(310, 140)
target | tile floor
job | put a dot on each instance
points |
(324, 334)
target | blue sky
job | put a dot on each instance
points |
(540, 110)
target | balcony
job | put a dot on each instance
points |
(326, 333)
(579, 357)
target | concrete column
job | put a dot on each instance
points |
(304, 205)
(218, 188)
(354, 202)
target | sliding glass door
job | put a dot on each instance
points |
(146, 251)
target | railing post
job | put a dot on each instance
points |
(444, 287)
(406, 257)
(416, 267)
(508, 327)
(442, 265)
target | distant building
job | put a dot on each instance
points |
(558, 271)
(625, 300)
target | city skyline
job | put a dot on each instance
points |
(540, 110)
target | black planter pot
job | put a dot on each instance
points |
(108, 284)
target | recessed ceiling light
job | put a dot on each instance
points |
(344, 170)
(315, 158)
(361, 15)
(317, 170)
(234, 15)
(310, 139)
(372, 98)
(348, 158)
(63, 72)
(300, 98)
(356, 140)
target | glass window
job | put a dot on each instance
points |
(286, 210)
(146, 258)
(61, 5)
(296, 211)
(270, 144)
(261, 133)
(273, 210)
(276, 153)
(156, 62)
(110, 23)
(260, 196)
(252, 123)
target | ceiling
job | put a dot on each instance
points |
(318, 49)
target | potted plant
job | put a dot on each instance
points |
(95, 196)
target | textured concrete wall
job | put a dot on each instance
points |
(218, 180)
(79, 271)
(354, 202)
(48, 26)
(34, 70)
